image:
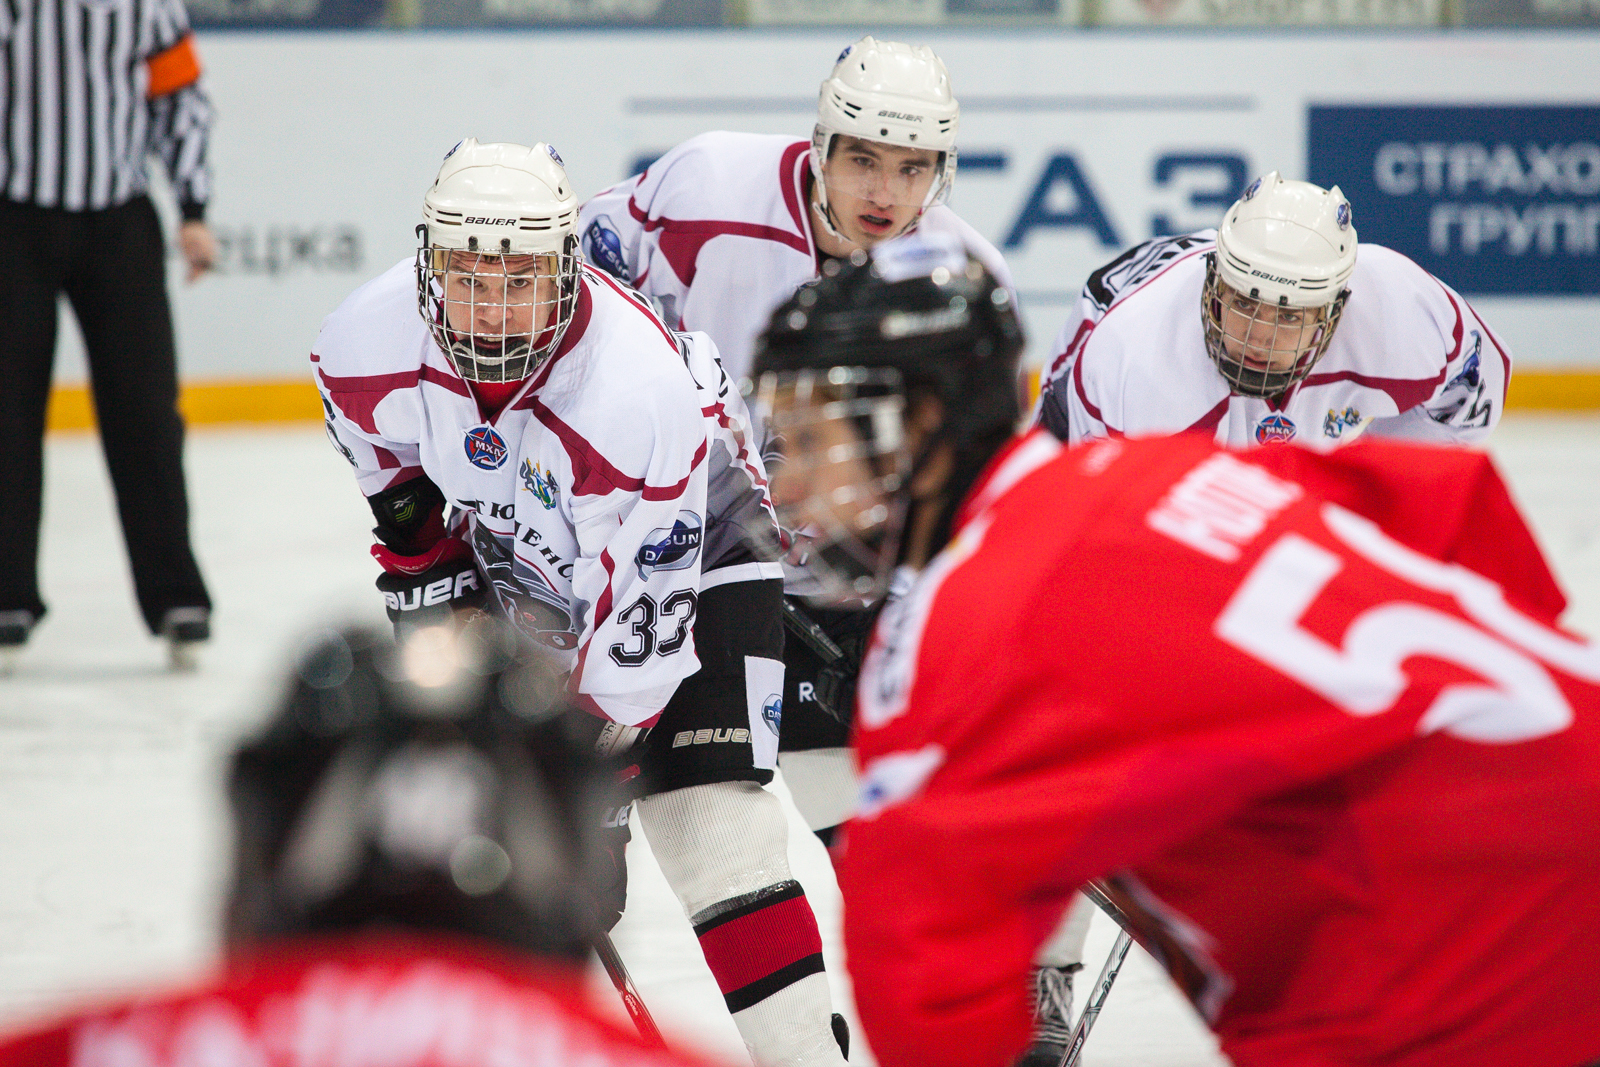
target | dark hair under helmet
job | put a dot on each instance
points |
(433, 785)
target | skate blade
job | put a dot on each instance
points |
(183, 657)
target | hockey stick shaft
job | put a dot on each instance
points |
(1097, 999)
(612, 962)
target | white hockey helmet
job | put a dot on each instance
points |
(892, 93)
(1288, 248)
(511, 209)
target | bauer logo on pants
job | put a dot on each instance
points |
(486, 449)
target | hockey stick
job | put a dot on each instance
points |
(1108, 975)
(612, 962)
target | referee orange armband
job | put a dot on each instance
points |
(173, 69)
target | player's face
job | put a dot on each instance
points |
(499, 300)
(876, 190)
(839, 457)
(1264, 337)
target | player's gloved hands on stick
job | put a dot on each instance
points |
(431, 588)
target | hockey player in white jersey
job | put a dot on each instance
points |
(1272, 328)
(726, 226)
(537, 443)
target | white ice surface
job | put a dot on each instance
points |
(112, 844)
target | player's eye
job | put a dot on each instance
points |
(1289, 318)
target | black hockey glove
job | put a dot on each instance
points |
(431, 588)
(838, 640)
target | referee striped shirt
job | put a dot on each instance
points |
(88, 90)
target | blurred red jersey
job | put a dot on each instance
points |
(396, 1001)
(1310, 713)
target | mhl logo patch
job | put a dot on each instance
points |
(1274, 429)
(672, 549)
(486, 449)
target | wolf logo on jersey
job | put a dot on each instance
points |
(540, 483)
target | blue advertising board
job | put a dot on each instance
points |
(1494, 200)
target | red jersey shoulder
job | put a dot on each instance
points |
(417, 999)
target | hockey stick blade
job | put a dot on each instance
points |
(631, 1001)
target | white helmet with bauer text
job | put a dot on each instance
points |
(1277, 283)
(497, 270)
(892, 93)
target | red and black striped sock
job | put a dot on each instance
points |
(760, 943)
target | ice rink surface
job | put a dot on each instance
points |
(112, 840)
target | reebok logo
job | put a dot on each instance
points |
(471, 221)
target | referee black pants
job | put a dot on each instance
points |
(111, 265)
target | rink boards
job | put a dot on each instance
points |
(1475, 153)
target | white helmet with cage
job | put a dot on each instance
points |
(1277, 283)
(497, 271)
(892, 93)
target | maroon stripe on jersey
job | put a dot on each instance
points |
(1083, 397)
(581, 314)
(793, 180)
(1084, 329)
(1406, 393)
(602, 612)
(592, 473)
(387, 460)
(356, 396)
(682, 239)
(446, 380)
(1209, 420)
(633, 301)
(315, 358)
(403, 475)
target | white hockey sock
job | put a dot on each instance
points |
(1065, 946)
(823, 783)
(723, 849)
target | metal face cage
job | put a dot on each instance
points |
(1262, 349)
(498, 315)
(836, 459)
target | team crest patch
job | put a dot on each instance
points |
(486, 449)
(772, 713)
(1274, 429)
(540, 483)
(672, 549)
(1335, 423)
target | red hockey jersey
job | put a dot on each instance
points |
(395, 1001)
(1311, 712)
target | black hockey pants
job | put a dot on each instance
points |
(111, 266)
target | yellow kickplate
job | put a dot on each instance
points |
(203, 403)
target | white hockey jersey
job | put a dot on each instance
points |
(612, 488)
(717, 231)
(1410, 358)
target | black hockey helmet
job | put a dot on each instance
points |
(842, 367)
(433, 785)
